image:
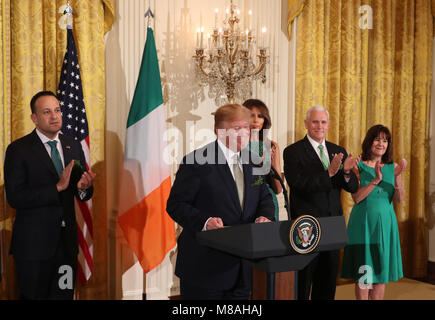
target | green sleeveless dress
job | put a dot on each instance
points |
(372, 254)
(257, 147)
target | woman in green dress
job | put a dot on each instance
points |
(372, 256)
(268, 150)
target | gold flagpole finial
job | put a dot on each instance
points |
(68, 9)
(69, 12)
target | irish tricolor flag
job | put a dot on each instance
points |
(146, 181)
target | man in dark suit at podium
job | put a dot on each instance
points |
(38, 171)
(215, 188)
(316, 171)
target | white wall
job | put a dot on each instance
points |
(175, 25)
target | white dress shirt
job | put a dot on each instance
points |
(45, 141)
(229, 156)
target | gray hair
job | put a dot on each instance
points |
(316, 108)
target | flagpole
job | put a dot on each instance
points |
(69, 13)
(150, 15)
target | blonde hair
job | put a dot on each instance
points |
(231, 112)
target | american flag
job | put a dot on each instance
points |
(75, 124)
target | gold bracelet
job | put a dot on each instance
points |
(398, 188)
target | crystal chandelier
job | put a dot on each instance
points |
(227, 66)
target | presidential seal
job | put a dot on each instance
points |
(305, 234)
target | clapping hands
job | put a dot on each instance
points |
(400, 167)
(351, 163)
(335, 164)
(348, 164)
(85, 182)
(378, 172)
(65, 177)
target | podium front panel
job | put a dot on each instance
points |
(264, 240)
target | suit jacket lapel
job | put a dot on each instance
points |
(41, 153)
(66, 148)
(331, 150)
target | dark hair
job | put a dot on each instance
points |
(371, 135)
(255, 103)
(37, 96)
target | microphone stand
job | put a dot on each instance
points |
(275, 175)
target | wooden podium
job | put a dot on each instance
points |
(284, 285)
(266, 246)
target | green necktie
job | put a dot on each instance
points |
(323, 157)
(55, 157)
(238, 178)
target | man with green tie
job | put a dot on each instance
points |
(41, 180)
(316, 171)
